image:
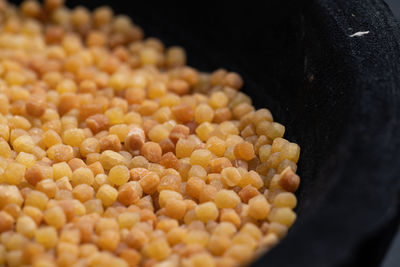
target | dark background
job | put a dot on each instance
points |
(392, 258)
(395, 6)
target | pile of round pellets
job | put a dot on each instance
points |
(114, 152)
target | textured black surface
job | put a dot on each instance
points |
(337, 95)
(356, 208)
(395, 7)
(392, 257)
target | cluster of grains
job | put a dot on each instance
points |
(113, 152)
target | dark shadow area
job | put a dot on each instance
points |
(395, 7)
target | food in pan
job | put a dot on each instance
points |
(114, 152)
